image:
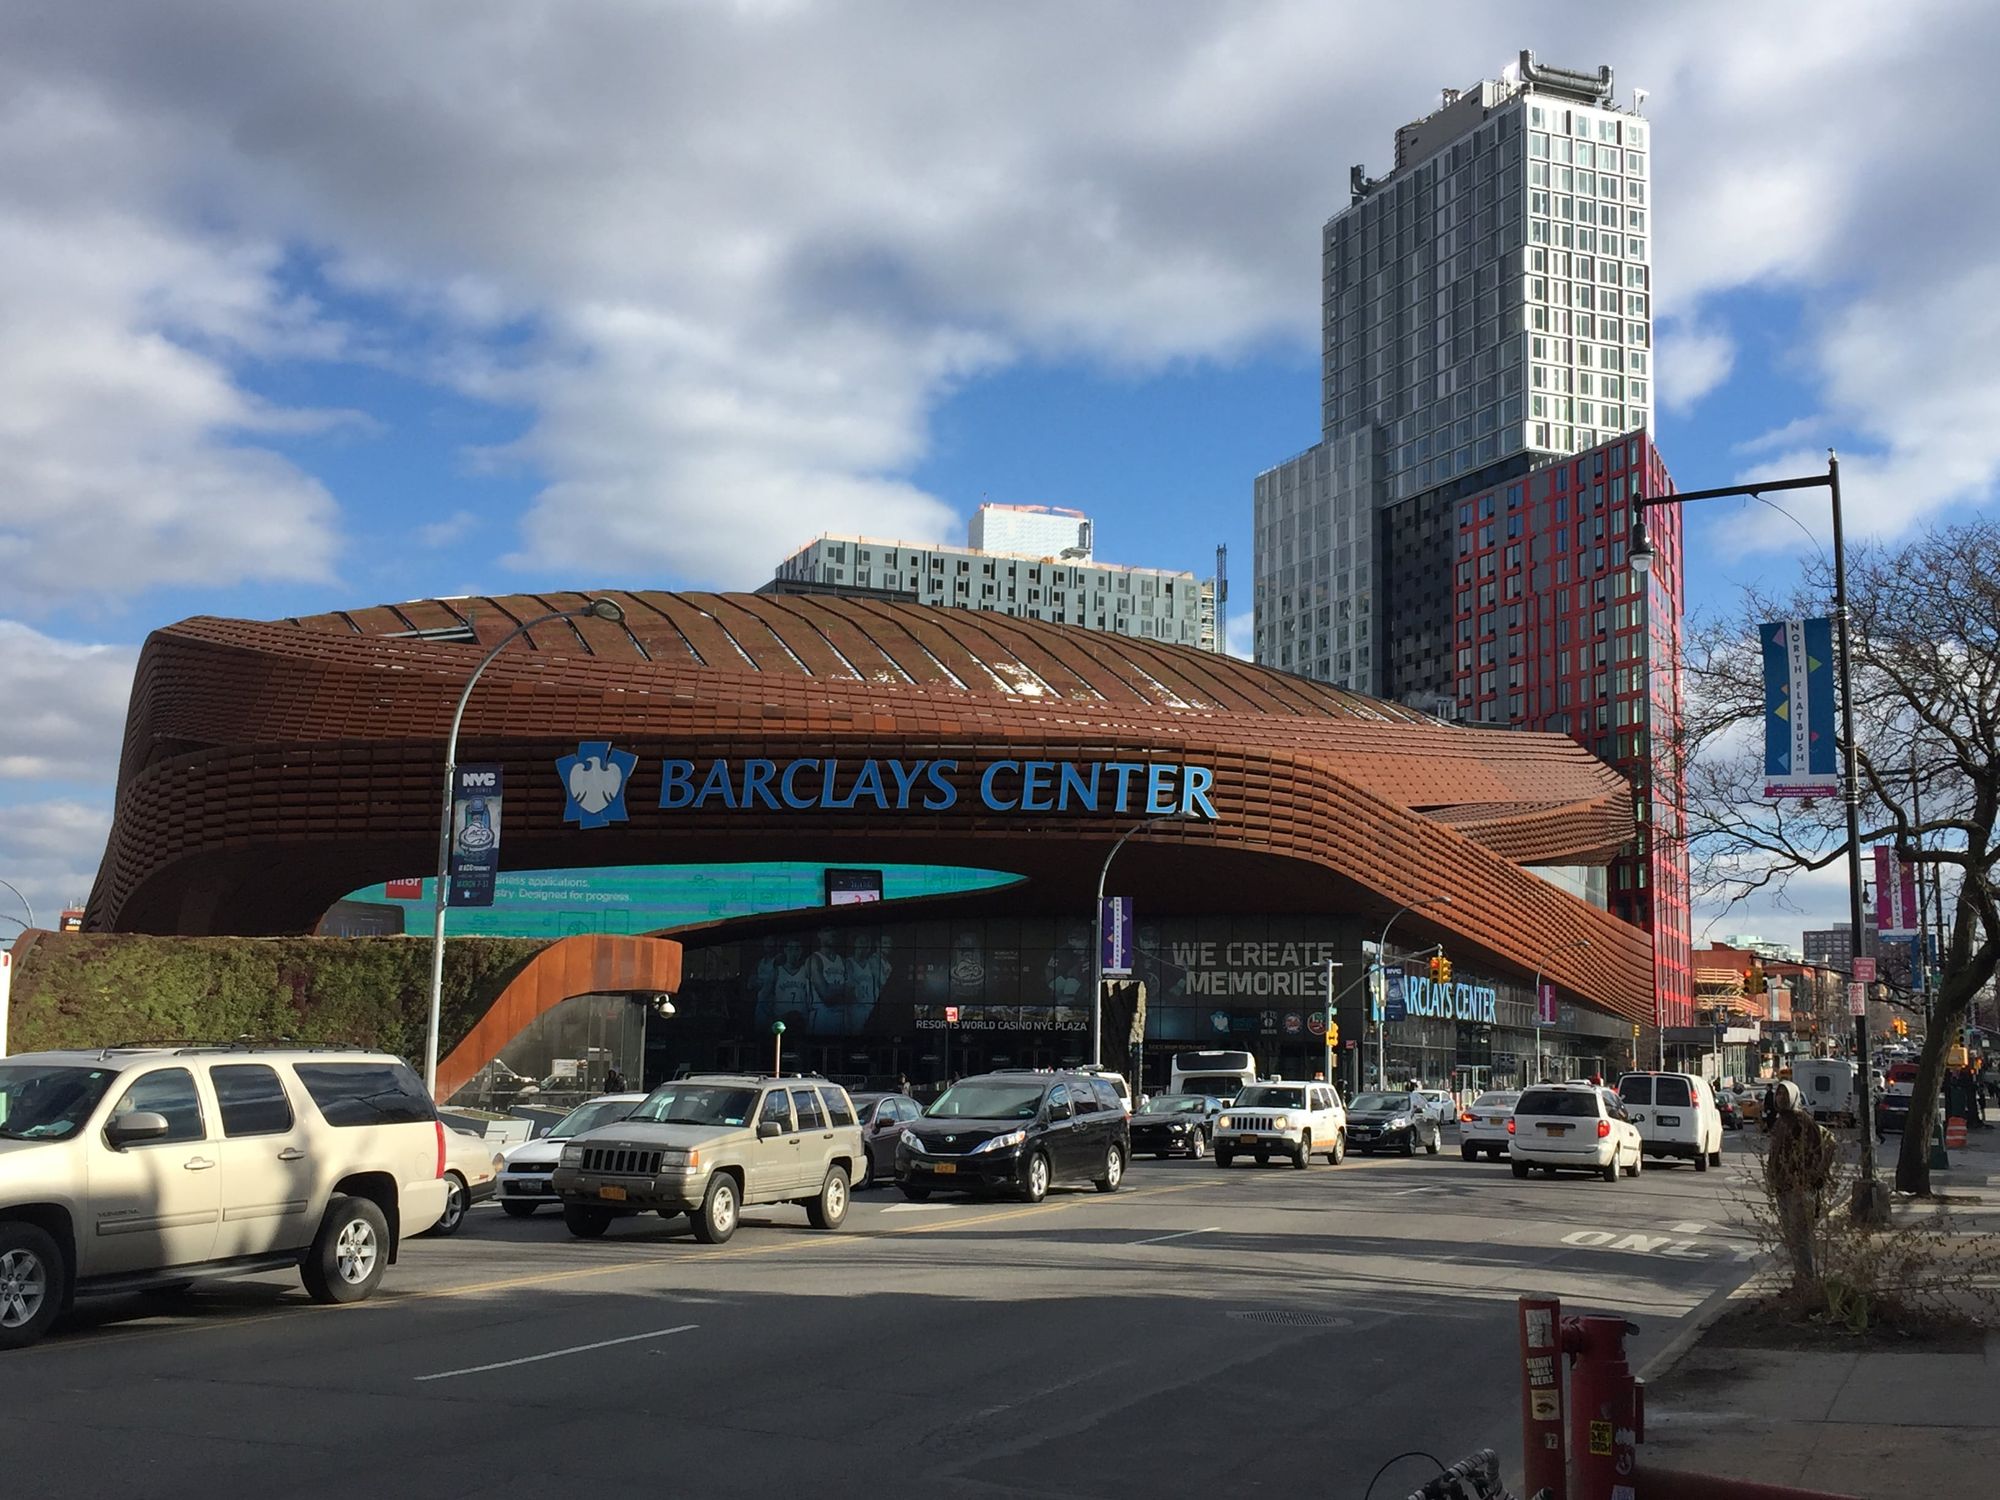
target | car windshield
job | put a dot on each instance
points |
(697, 1104)
(590, 1116)
(1222, 1085)
(1367, 1103)
(1174, 1104)
(1575, 1102)
(987, 1099)
(1495, 1101)
(41, 1103)
(1272, 1096)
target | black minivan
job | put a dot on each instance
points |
(1016, 1132)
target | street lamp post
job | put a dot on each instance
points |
(1382, 968)
(1536, 992)
(1097, 939)
(24, 901)
(1870, 1202)
(601, 609)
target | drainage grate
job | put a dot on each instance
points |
(1287, 1318)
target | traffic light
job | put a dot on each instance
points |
(1437, 969)
(1754, 980)
(1333, 1033)
(1444, 969)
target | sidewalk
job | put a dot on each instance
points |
(1872, 1420)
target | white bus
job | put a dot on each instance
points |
(1219, 1074)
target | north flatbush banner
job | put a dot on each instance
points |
(1799, 743)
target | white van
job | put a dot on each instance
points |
(1676, 1114)
(1826, 1087)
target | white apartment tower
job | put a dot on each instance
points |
(1486, 309)
(1032, 530)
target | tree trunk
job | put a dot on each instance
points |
(1913, 1158)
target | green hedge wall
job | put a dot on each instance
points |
(76, 989)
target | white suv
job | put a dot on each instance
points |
(137, 1167)
(1293, 1120)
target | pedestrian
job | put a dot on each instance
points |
(614, 1081)
(902, 1085)
(1319, 1075)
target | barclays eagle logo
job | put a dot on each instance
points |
(594, 781)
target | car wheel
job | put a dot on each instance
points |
(1520, 1169)
(829, 1209)
(1302, 1158)
(348, 1254)
(1435, 1143)
(1114, 1169)
(31, 1284)
(1701, 1161)
(1339, 1152)
(1198, 1147)
(916, 1192)
(457, 1198)
(1715, 1157)
(1638, 1163)
(716, 1221)
(1609, 1171)
(1035, 1186)
(585, 1222)
(1470, 1153)
(1409, 1147)
(1223, 1159)
(515, 1210)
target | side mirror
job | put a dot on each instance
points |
(766, 1129)
(140, 1125)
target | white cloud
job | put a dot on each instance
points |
(443, 533)
(50, 851)
(1241, 634)
(1693, 359)
(65, 706)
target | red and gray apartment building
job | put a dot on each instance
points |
(1457, 539)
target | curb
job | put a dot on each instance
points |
(1698, 1323)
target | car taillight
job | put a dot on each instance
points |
(1510, 1125)
(1603, 1129)
(440, 1131)
(1469, 1119)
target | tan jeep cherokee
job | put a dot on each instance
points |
(708, 1145)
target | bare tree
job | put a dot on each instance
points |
(1926, 676)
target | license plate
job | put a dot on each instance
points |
(1555, 1130)
(1667, 1120)
(1246, 1140)
(615, 1194)
(946, 1168)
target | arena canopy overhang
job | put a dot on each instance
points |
(270, 767)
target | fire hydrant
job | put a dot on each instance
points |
(1607, 1409)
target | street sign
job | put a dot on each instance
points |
(1857, 998)
(1864, 970)
(951, 1015)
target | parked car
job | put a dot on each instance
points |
(525, 1170)
(136, 1167)
(1292, 1120)
(1725, 1103)
(882, 1118)
(1571, 1127)
(1391, 1122)
(1176, 1125)
(1016, 1132)
(710, 1145)
(470, 1168)
(1676, 1115)
(1482, 1125)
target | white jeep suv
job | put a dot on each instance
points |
(1292, 1120)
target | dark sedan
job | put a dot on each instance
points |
(1175, 1125)
(882, 1118)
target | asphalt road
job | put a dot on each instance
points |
(1198, 1333)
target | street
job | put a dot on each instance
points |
(1200, 1332)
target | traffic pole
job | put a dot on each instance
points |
(1606, 1409)
(1542, 1459)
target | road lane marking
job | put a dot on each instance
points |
(529, 1359)
(1405, 1192)
(1690, 1227)
(914, 1208)
(1184, 1234)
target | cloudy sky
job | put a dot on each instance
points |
(310, 306)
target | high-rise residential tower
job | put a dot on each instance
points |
(1457, 538)
(1486, 306)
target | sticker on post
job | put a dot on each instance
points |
(1600, 1439)
(1544, 1406)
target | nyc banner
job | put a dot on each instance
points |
(1895, 895)
(475, 834)
(1799, 743)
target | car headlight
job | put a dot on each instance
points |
(1000, 1142)
(909, 1142)
(1223, 1123)
(1178, 1127)
(572, 1155)
(1401, 1122)
(499, 1160)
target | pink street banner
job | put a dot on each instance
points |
(1895, 895)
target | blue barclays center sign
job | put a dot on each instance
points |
(1450, 1002)
(1157, 788)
